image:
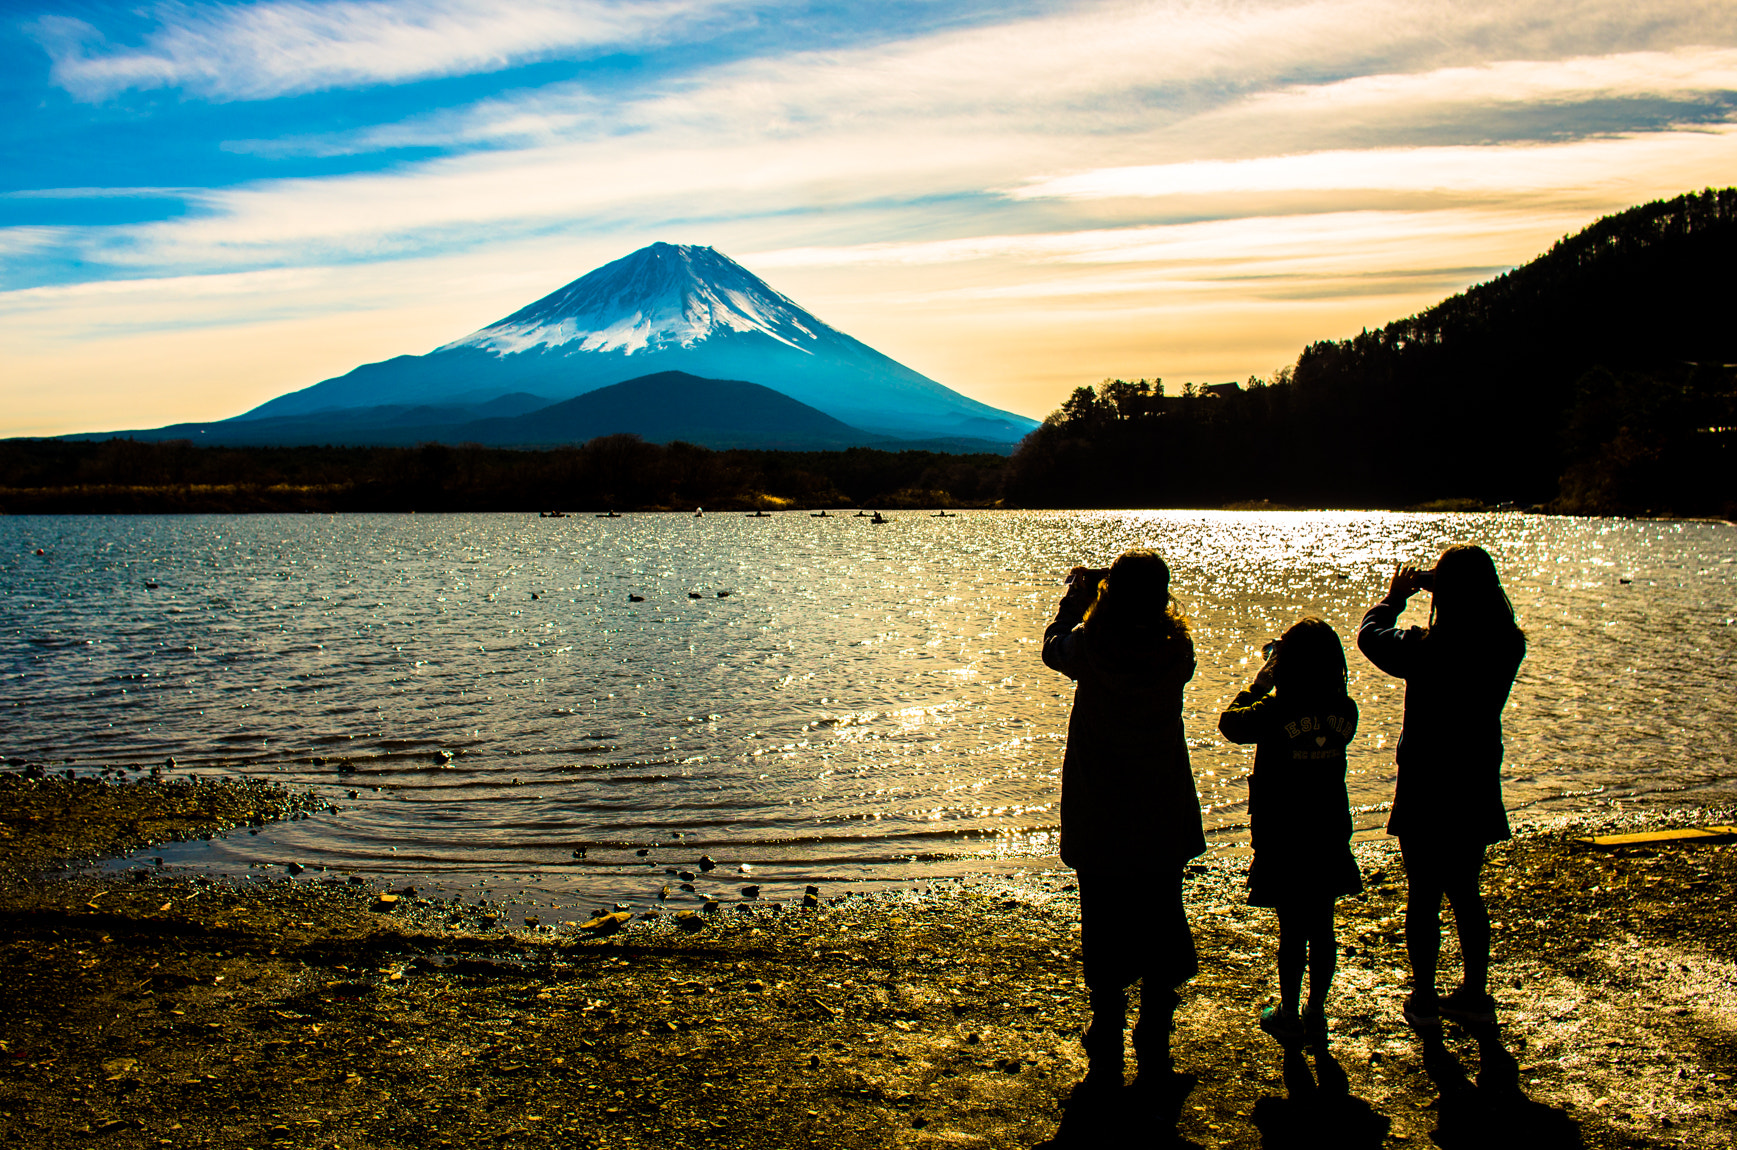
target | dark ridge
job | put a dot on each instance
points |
(1597, 378)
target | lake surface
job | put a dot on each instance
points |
(865, 704)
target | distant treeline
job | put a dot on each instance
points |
(1596, 379)
(121, 476)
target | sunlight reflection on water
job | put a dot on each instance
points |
(866, 702)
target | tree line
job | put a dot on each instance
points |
(614, 472)
(1596, 379)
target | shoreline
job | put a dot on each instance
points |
(240, 499)
(305, 1011)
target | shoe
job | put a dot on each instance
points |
(1281, 1025)
(1468, 1006)
(1423, 1011)
(1315, 1024)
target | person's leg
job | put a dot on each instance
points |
(1293, 956)
(1423, 895)
(1171, 961)
(1103, 1040)
(1284, 1022)
(1471, 917)
(1323, 954)
(1102, 948)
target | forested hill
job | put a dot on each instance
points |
(1649, 285)
(1594, 378)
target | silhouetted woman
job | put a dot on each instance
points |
(1130, 816)
(1447, 804)
(1300, 718)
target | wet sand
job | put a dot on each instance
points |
(143, 1010)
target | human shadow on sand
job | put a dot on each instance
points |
(1319, 1109)
(1141, 1116)
(1491, 1110)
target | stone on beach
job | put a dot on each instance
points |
(607, 923)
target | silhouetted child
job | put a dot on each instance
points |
(1300, 718)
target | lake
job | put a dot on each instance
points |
(804, 699)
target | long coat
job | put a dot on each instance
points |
(1128, 797)
(1450, 750)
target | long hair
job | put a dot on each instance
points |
(1134, 608)
(1468, 599)
(1311, 662)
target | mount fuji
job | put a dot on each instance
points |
(664, 308)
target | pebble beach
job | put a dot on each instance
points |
(144, 1009)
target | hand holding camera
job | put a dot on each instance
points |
(1408, 580)
(1082, 582)
(1268, 674)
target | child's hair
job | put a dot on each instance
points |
(1468, 599)
(1311, 661)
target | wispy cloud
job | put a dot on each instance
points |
(1506, 170)
(1221, 250)
(956, 114)
(280, 47)
(25, 240)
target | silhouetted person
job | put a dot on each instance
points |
(1130, 816)
(1447, 804)
(1300, 718)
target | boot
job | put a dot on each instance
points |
(1103, 1039)
(1152, 1032)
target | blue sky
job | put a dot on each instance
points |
(205, 205)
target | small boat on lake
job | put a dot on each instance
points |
(757, 515)
(551, 515)
(819, 515)
(609, 515)
(879, 518)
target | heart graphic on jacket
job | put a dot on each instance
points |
(1320, 740)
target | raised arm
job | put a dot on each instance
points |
(1379, 636)
(1245, 722)
(1061, 647)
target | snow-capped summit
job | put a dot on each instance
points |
(660, 297)
(664, 308)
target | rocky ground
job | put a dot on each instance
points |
(141, 1010)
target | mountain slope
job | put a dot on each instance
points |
(670, 406)
(661, 408)
(666, 308)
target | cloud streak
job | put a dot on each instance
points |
(1506, 170)
(286, 47)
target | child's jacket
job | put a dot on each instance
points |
(1299, 811)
